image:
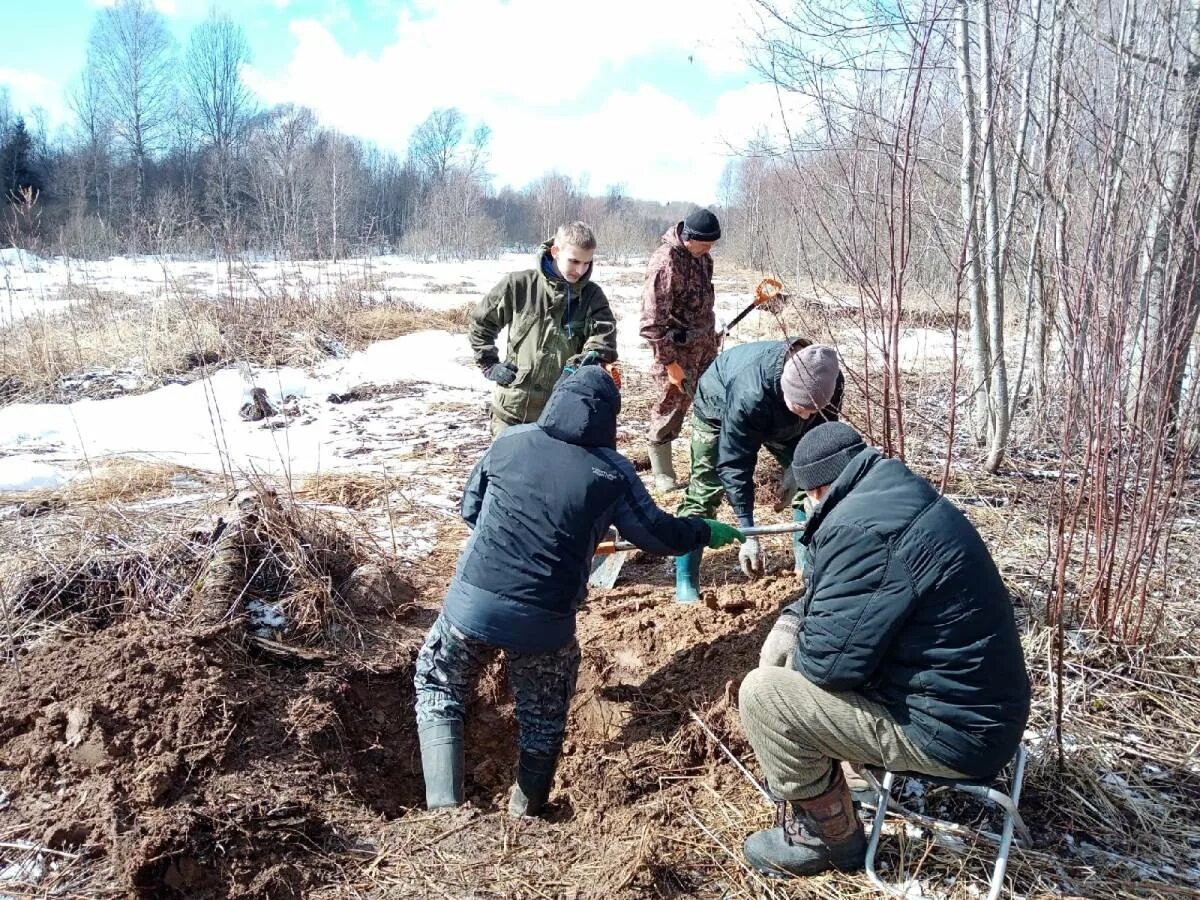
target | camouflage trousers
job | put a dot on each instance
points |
(705, 490)
(671, 408)
(542, 685)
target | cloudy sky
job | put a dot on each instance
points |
(650, 94)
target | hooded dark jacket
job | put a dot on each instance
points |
(549, 320)
(904, 605)
(538, 502)
(740, 396)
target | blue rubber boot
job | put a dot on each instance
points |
(798, 549)
(687, 577)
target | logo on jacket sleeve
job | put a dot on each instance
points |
(611, 476)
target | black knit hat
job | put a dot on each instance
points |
(823, 452)
(701, 225)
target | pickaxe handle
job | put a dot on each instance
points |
(606, 547)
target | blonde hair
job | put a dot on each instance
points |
(575, 234)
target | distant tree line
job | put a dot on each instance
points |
(169, 151)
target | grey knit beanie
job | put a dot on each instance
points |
(810, 376)
(823, 452)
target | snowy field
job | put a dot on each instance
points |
(45, 445)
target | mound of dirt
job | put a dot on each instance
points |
(193, 768)
(183, 762)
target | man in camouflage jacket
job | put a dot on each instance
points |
(554, 313)
(678, 322)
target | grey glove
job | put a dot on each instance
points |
(781, 642)
(752, 558)
(502, 373)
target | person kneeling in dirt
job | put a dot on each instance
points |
(765, 394)
(555, 316)
(902, 654)
(538, 502)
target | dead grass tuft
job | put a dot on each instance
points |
(115, 481)
(353, 490)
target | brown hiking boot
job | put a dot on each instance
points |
(811, 836)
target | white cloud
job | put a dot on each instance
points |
(29, 89)
(518, 66)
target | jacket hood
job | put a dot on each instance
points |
(549, 269)
(583, 409)
(673, 238)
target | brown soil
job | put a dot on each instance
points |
(182, 761)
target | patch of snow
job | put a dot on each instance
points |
(197, 424)
(17, 474)
(21, 259)
(28, 869)
(265, 617)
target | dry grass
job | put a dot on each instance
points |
(180, 333)
(207, 563)
(353, 490)
(115, 481)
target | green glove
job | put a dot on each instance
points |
(722, 535)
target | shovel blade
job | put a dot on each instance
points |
(607, 568)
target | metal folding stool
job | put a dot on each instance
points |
(984, 789)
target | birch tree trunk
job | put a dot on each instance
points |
(997, 383)
(981, 355)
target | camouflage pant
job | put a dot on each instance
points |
(667, 415)
(705, 490)
(542, 684)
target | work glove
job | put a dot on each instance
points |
(785, 491)
(722, 535)
(781, 642)
(752, 558)
(503, 374)
(579, 360)
(675, 375)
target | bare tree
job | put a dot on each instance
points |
(555, 201)
(130, 54)
(435, 142)
(221, 106)
(217, 50)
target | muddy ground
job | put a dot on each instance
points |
(166, 759)
(152, 745)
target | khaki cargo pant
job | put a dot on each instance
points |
(704, 488)
(799, 732)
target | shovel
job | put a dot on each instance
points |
(610, 556)
(769, 294)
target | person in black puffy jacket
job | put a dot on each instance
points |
(903, 653)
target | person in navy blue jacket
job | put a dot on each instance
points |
(538, 503)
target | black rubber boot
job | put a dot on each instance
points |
(442, 763)
(811, 836)
(535, 776)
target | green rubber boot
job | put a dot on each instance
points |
(798, 549)
(442, 763)
(687, 577)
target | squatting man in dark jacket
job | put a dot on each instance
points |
(538, 503)
(903, 653)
